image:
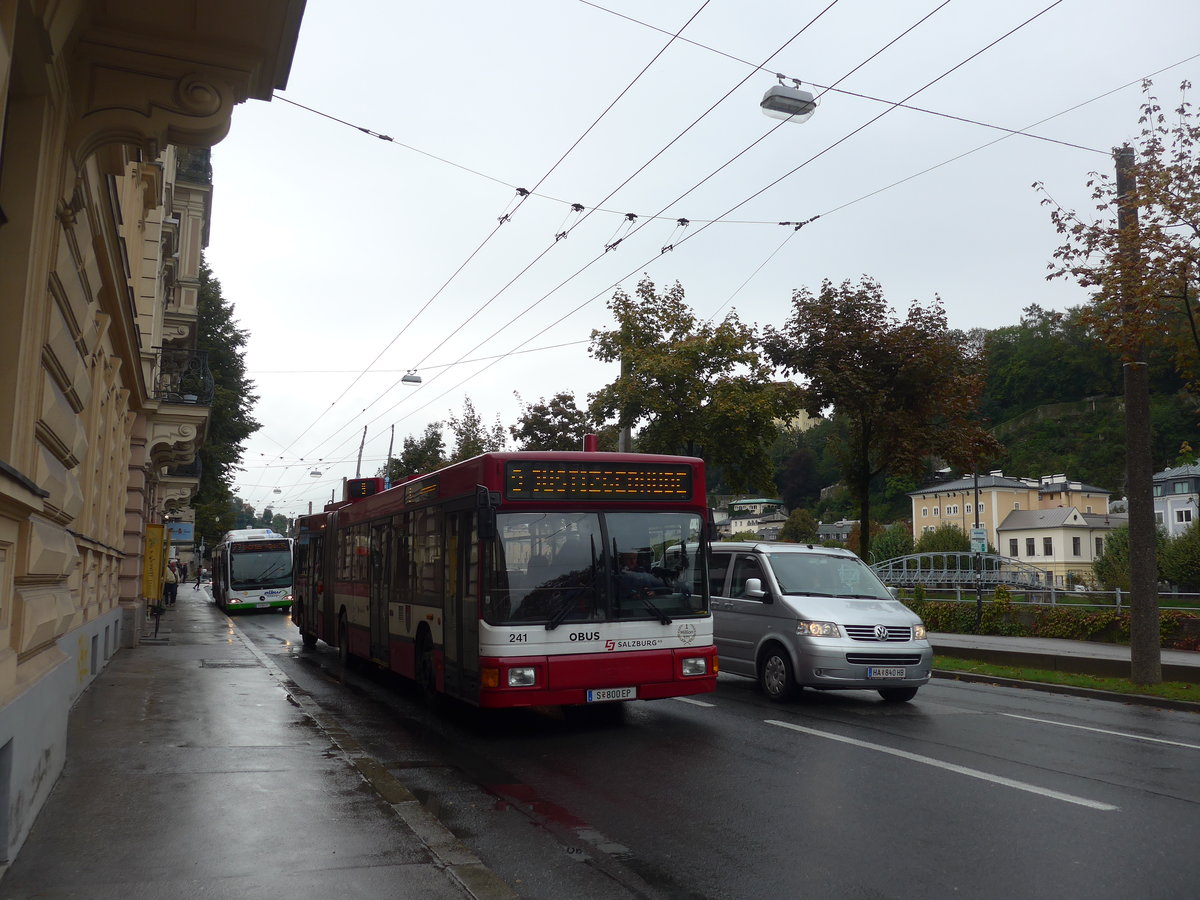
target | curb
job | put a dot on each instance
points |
(1089, 693)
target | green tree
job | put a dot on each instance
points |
(800, 527)
(418, 455)
(895, 540)
(471, 438)
(946, 538)
(231, 421)
(904, 389)
(1179, 558)
(692, 386)
(1140, 258)
(557, 424)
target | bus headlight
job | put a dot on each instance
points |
(695, 665)
(522, 676)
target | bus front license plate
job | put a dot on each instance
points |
(604, 695)
(886, 672)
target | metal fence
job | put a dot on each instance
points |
(1051, 596)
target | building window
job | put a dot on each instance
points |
(968, 510)
(1012, 547)
(1088, 510)
(924, 512)
(1047, 546)
(1029, 547)
(979, 508)
(1183, 515)
(1158, 518)
(952, 510)
(1016, 505)
(936, 511)
(1158, 490)
(1076, 546)
(1180, 487)
(1099, 546)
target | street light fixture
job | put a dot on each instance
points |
(411, 377)
(789, 103)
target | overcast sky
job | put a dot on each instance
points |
(330, 242)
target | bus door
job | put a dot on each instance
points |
(461, 613)
(377, 591)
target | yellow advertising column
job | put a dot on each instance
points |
(154, 560)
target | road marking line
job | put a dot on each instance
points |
(951, 767)
(1136, 737)
(693, 702)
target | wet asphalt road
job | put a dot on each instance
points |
(969, 790)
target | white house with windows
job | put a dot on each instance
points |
(1061, 540)
(954, 502)
(1177, 498)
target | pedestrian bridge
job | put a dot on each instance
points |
(961, 568)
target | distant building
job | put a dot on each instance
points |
(1061, 540)
(953, 502)
(1177, 498)
(836, 531)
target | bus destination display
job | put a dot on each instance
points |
(551, 480)
(258, 546)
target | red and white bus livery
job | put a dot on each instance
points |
(520, 579)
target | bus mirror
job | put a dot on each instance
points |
(484, 502)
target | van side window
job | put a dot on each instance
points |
(718, 565)
(745, 568)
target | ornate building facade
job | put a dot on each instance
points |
(107, 108)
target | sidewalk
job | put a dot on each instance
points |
(1081, 657)
(192, 772)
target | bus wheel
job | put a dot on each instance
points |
(308, 638)
(343, 631)
(426, 677)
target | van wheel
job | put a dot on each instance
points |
(898, 695)
(775, 674)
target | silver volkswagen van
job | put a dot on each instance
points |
(798, 615)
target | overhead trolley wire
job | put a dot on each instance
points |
(758, 193)
(524, 195)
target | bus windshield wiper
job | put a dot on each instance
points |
(561, 613)
(649, 604)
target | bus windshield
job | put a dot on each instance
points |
(250, 569)
(556, 567)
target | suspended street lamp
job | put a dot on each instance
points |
(411, 377)
(788, 103)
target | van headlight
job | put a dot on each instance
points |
(817, 629)
(918, 632)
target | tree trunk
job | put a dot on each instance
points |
(1145, 642)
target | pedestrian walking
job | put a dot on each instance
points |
(170, 584)
(199, 572)
(183, 567)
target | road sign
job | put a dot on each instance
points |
(979, 540)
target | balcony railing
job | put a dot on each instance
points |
(183, 376)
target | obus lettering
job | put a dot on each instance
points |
(584, 636)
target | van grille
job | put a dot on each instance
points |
(867, 632)
(883, 659)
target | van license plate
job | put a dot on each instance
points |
(604, 695)
(886, 672)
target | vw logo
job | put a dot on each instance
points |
(881, 633)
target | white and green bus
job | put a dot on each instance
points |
(252, 569)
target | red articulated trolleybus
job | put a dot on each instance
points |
(519, 579)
